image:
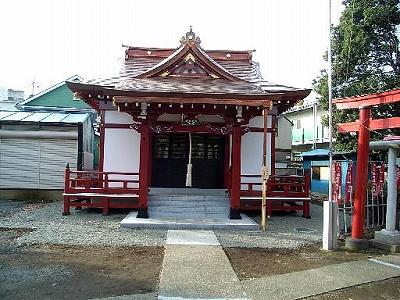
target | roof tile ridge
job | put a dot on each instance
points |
(165, 60)
(216, 63)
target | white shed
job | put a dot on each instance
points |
(35, 146)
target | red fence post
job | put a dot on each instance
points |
(67, 174)
(362, 175)
(307, 188)
(236, 173)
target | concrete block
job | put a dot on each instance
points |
(356, 244)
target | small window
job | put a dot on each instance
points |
(298, 124)
(320, 173)
(324, 173)
(316, 173)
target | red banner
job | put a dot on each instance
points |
(377, 179)
(337, 182)
(349, 183)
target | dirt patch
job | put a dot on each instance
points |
(256, 262)
(386, 289)
(77, 272)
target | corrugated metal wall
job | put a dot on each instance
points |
(35, 163)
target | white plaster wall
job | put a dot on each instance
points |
(252, 148)
(284, 138)
(117, 117)
(122, 147)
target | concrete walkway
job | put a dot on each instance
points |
(196, 267)
(307, 283)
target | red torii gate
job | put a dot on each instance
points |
(363, 126)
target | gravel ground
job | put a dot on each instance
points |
(283, 231)
(80, 228)
(91, 228)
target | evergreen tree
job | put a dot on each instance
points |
(365, 59)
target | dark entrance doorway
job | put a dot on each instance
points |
(171, 156)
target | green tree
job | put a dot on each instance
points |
(365, 59)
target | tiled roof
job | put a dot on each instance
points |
(189, 86)
(248, 71)
(236, 74)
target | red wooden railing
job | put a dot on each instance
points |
(284, 192)
(100, 182)
(277, 186)
(100, 189)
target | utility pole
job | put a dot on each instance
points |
(329, 238)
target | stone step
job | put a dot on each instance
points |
(186, 204)
(188, 221)
(189, 198)
(178, 210)
(186, 191)
(194, 216)
(192, 200)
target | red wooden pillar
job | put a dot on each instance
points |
(362, 175)
(273, 146)
(102, 130)
(150, 156)
(236, 173)
(145, 137)
(226, 161)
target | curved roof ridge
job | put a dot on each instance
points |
(215, 62)
(180, 53)
(162, 62)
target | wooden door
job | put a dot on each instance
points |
(171, 156)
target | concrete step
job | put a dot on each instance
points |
(186, 191)
(188, 221)
(179, 211)
(196, 216)
(189, 198)
(186, 204)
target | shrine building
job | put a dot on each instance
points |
(182, 117)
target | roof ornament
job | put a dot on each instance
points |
(190, 37)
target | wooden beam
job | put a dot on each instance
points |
(258, 129)
(377, 124)
(195, 100)
(368, 100)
